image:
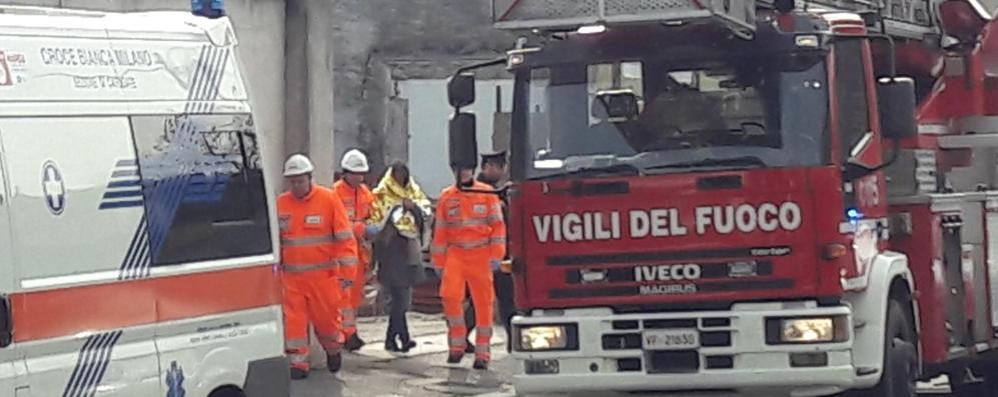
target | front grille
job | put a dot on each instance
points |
(621, 341)
(715, 339)
(714, 333)
(720, 362)
(671, 324)
(629, 365)
(626, 325)
(675, 362)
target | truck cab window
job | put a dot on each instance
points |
(851, 94)
(764, 110)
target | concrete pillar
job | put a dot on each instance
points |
(309, 83)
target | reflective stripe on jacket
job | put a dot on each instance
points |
(316, 233)
(358, 202)
(468, 225)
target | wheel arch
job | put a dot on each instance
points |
(889, 278)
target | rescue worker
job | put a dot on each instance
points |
(469, 243)
(317, 251)
(492, 173)
(358, 199)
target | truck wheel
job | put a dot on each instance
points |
(900, 357)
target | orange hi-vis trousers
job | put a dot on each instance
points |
(476, 276)
(311, 296)
(353, 295)
(318, 249)
(469, 233)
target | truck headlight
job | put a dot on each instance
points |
(831, 329)
(548, 337)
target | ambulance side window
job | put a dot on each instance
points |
(203, 187)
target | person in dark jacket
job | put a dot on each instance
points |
(398, 253)
(492, 173)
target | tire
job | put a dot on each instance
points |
(227, 392)
(900, 356)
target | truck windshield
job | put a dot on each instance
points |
(672, 116)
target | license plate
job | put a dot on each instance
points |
(671, 339)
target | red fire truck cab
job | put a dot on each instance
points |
(741, 195)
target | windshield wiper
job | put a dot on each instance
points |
(710, 162)
(609, 170)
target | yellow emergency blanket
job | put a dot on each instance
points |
(389, 193)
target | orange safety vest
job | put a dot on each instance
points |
(469, 226)
(358, 202)
(316, 233)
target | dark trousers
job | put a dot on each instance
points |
(503, 285)
(400, 299)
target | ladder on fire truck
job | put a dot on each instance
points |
(900, 19)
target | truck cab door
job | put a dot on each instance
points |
(10, 358)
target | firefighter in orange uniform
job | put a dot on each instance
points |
(358, 199)
(469, 242)
(317, 250)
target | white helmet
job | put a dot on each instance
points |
(355, 161)
(298, 164)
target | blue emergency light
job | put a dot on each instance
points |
(854, 215)
(208, 8)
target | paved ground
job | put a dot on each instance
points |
(373, 372)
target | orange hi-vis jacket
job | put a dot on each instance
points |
(469, 227)
(316, 234)
(358, 202)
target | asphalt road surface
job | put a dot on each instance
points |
(373, 372)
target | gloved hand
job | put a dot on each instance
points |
(495, 263)
(371, 230)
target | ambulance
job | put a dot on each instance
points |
(137, 234)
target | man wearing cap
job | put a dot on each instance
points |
(317, 251)
(358, 200)
(493, 170)
(469, 242)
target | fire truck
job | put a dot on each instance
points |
(787, 197)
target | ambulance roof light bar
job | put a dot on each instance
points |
(208, 8)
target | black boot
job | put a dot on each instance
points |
(354, 343)
(391, 345)
(469, 348)
(481, 364)
(407, 345)
(455, 357)
(334, 362)
(298, 373)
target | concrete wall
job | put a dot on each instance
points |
(429, 113)
(415, 39)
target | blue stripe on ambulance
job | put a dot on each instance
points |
(163, 197)
(91, 365)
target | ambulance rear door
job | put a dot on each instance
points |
(83, 328)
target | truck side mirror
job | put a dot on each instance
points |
(462, 141)
(461, 90)
(896, 98)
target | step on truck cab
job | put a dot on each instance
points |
(137, 232)
(785, 197)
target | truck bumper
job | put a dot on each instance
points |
(268, 378)
(733, 353)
